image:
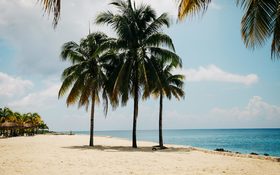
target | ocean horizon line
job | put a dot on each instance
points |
(167, 129)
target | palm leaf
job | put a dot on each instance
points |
(192, 7)
(256, 23)
(52, 6)
(275, 46)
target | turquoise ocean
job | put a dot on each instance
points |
(260, 141)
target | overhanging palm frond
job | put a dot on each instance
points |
(275, 46)
(192, 7)
(52, 6)
(256, 25)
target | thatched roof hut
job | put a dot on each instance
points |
(28, 125)
(8, 125)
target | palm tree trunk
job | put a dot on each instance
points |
(135, 112)
(160, 122)
(92, 119)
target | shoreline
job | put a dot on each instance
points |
(225, 152)
(70, 154)
(170, 146)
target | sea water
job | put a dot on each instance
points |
(259, 141)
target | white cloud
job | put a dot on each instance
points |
(10, 85)
(214, 73)
(42, 99)
(256, 108)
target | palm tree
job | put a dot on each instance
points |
(139, 36)
(43, 127)
(260, 22)
(20, 123)
(168, 85)
(36, 121)
(6, 114)
(86, 76)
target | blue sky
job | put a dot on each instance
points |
(227, 85)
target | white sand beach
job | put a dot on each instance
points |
(65, 154)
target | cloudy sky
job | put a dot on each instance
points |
(227, 85)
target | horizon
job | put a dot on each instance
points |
(227, 85)
(166, 129)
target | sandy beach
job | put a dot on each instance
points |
(65, 154)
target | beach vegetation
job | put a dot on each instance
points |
(20, 124)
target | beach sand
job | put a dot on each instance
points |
(65, 154)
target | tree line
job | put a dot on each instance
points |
(137, 63)
(20, 124)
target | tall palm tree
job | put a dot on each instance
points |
(260, 22)
(86, 76)
(168, 85)
(139, 35)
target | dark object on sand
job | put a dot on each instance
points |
(237, 153)
(265, 154)
(221, 150)
(157, 147)
(254, 153)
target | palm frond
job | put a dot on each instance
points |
(166, 56)
(76, 90)
(256, 25)
(157, 24)
(160, 39)
(52, 6)
(275, 46)
(192, 7)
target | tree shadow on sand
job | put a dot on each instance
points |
(127, 148)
